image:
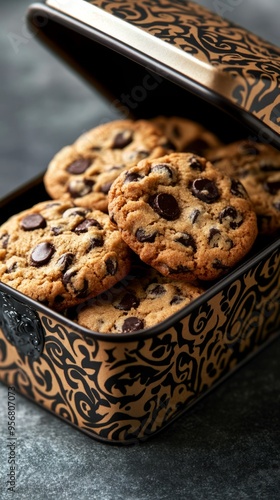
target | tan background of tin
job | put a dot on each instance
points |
(71, 376)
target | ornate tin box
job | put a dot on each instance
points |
(149, 58)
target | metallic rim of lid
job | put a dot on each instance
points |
(197, 44)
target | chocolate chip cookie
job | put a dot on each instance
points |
(60, 254)
(258, 167)
(143, 299)
(187, 135)
(84, 171)
(183, 216)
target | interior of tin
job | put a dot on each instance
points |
(136, 90)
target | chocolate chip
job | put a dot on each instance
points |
(205, 190)
(162, 169)
(132, 324)
(267, 167)
(74, 211)
(231, 216)
(33, 221)
(165, 205)
(12, 268)
(67, 277)
(83, 293)
(95, 242)
(122, 139)
(42, 254)
(217, 264)
(56, 230)
(5, 240)
(214, 237)
(84, 226)
(179, 270)
(65, 261)
(53, 204)
(135, 156)
(194, 215)
(128, 301)
(176, 300)
(144, 237)
(79, 166)
(80, 187)
(272, 187)
(249, 148)
(187, 240)
(68, 280)
(195, 164)
(112, 219)
(157, 290)
(143, 153)
(59, 299)
(111, 266)
(132, 177)
(105, 188)
(237, 189)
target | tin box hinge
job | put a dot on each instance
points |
(21, 326)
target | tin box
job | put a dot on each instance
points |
(151, 58)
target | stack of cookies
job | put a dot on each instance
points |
(142, 215)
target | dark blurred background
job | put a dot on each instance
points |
(44, 105)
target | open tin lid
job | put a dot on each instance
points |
(171, 58)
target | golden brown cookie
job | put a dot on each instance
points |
(142, 300)
(60, 254)
(84, 171)
(187, 135)
(183, 217)
(258, 167)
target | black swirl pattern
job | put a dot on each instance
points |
(127, 390)
(21, 326)
(252, 63)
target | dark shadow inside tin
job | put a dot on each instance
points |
(136, 85)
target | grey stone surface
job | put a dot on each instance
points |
(228, 445)
(44, 104)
